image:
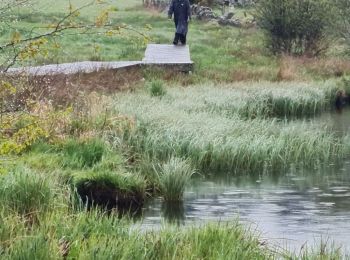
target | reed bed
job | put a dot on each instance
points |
(24, 192)
(62, 234)
(182, 124)
(257, 100)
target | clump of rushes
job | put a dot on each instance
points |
(80, 154)
(25, 192)
(156, 88)
(173, 177)
(110, 189)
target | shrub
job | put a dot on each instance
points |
(156, 88)
(342, 24)
(173, 177)
(295, 26)
(25, 192)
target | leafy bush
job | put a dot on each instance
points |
(295, 26)
(156, 88)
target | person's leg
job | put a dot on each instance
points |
(183, 39)
(176, 39)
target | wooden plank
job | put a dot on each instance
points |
(158, 55)
(73, 68)
(167, 54)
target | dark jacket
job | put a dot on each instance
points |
(182, 13)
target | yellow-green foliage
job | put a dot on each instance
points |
(21, 130)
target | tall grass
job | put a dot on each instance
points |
(173, 177)
(210, 128)
(90, 235)
(110, 189)
(84, 153)
(25, 192)
(156, 88)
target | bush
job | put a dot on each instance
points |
(295, 26)
(342, 24)
(156, 88)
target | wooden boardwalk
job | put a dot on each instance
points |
(159, 55)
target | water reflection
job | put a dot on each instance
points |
(174, 212)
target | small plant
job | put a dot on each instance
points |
(156, 88)
(80, 154)
(173, 178)
(25, 192)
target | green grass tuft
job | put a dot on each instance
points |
(173, 178)
(156, 88)
(25, 192)
(80, 154)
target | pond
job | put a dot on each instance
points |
(289, 210)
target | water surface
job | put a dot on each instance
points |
(289, 210)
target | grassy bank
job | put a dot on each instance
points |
(223, 54)
(64, 233)
(229, 129)
(66, 175)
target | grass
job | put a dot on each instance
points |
(91, 235)
(221, 54)
(214, 124)
(24, 192)
(156, 88)
(214, 129)
(80, 154)
(173, 177)
(87, 235)
(110, 189)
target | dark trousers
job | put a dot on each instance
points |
(180, 37)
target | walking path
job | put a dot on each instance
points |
(178, 57)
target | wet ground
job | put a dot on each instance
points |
(289, 210)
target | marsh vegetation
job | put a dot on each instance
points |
(81, 157)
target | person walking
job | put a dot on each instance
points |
(181, 10)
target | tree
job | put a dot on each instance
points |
(25, 45)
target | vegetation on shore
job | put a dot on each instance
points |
(68, 171)
(216, 130)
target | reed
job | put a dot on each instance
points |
(209, 127)
(25, 192)
(173, 177)
(85, 153)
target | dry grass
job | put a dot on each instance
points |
(302, 68)
(66, 89)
